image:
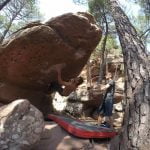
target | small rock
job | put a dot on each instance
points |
(18, 124)
(119, 107)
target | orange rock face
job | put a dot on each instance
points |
(26, 59)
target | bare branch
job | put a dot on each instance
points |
(4, 4)
(145, 32)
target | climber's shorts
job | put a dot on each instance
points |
(106, 108)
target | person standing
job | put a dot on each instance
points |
(106, 108)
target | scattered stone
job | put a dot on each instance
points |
(119, 107)
(21, 125)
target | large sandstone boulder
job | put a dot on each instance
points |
(21, 125)
(27, 57)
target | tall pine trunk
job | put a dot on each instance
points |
(136, 128)
(103, 52)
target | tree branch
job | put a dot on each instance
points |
(4, 4)
(148, 30)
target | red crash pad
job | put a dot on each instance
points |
(82, 129)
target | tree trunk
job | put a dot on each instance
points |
(3, 4)
(103, 56)
(6, 31)
(89, 84)
(136, 129)
(10, 24)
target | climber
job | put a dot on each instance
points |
(69, 86)
(106, 108)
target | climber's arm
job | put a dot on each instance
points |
(58, 68)
(104, 87)
(60, 81)
(111, 82)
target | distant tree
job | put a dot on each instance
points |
(4, 3)
(142, 21)
(99, 9)
(112, 44)
(15, 13)
(143, 29)
(145, 6)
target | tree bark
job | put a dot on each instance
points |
(103, 55)
(136, 129)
